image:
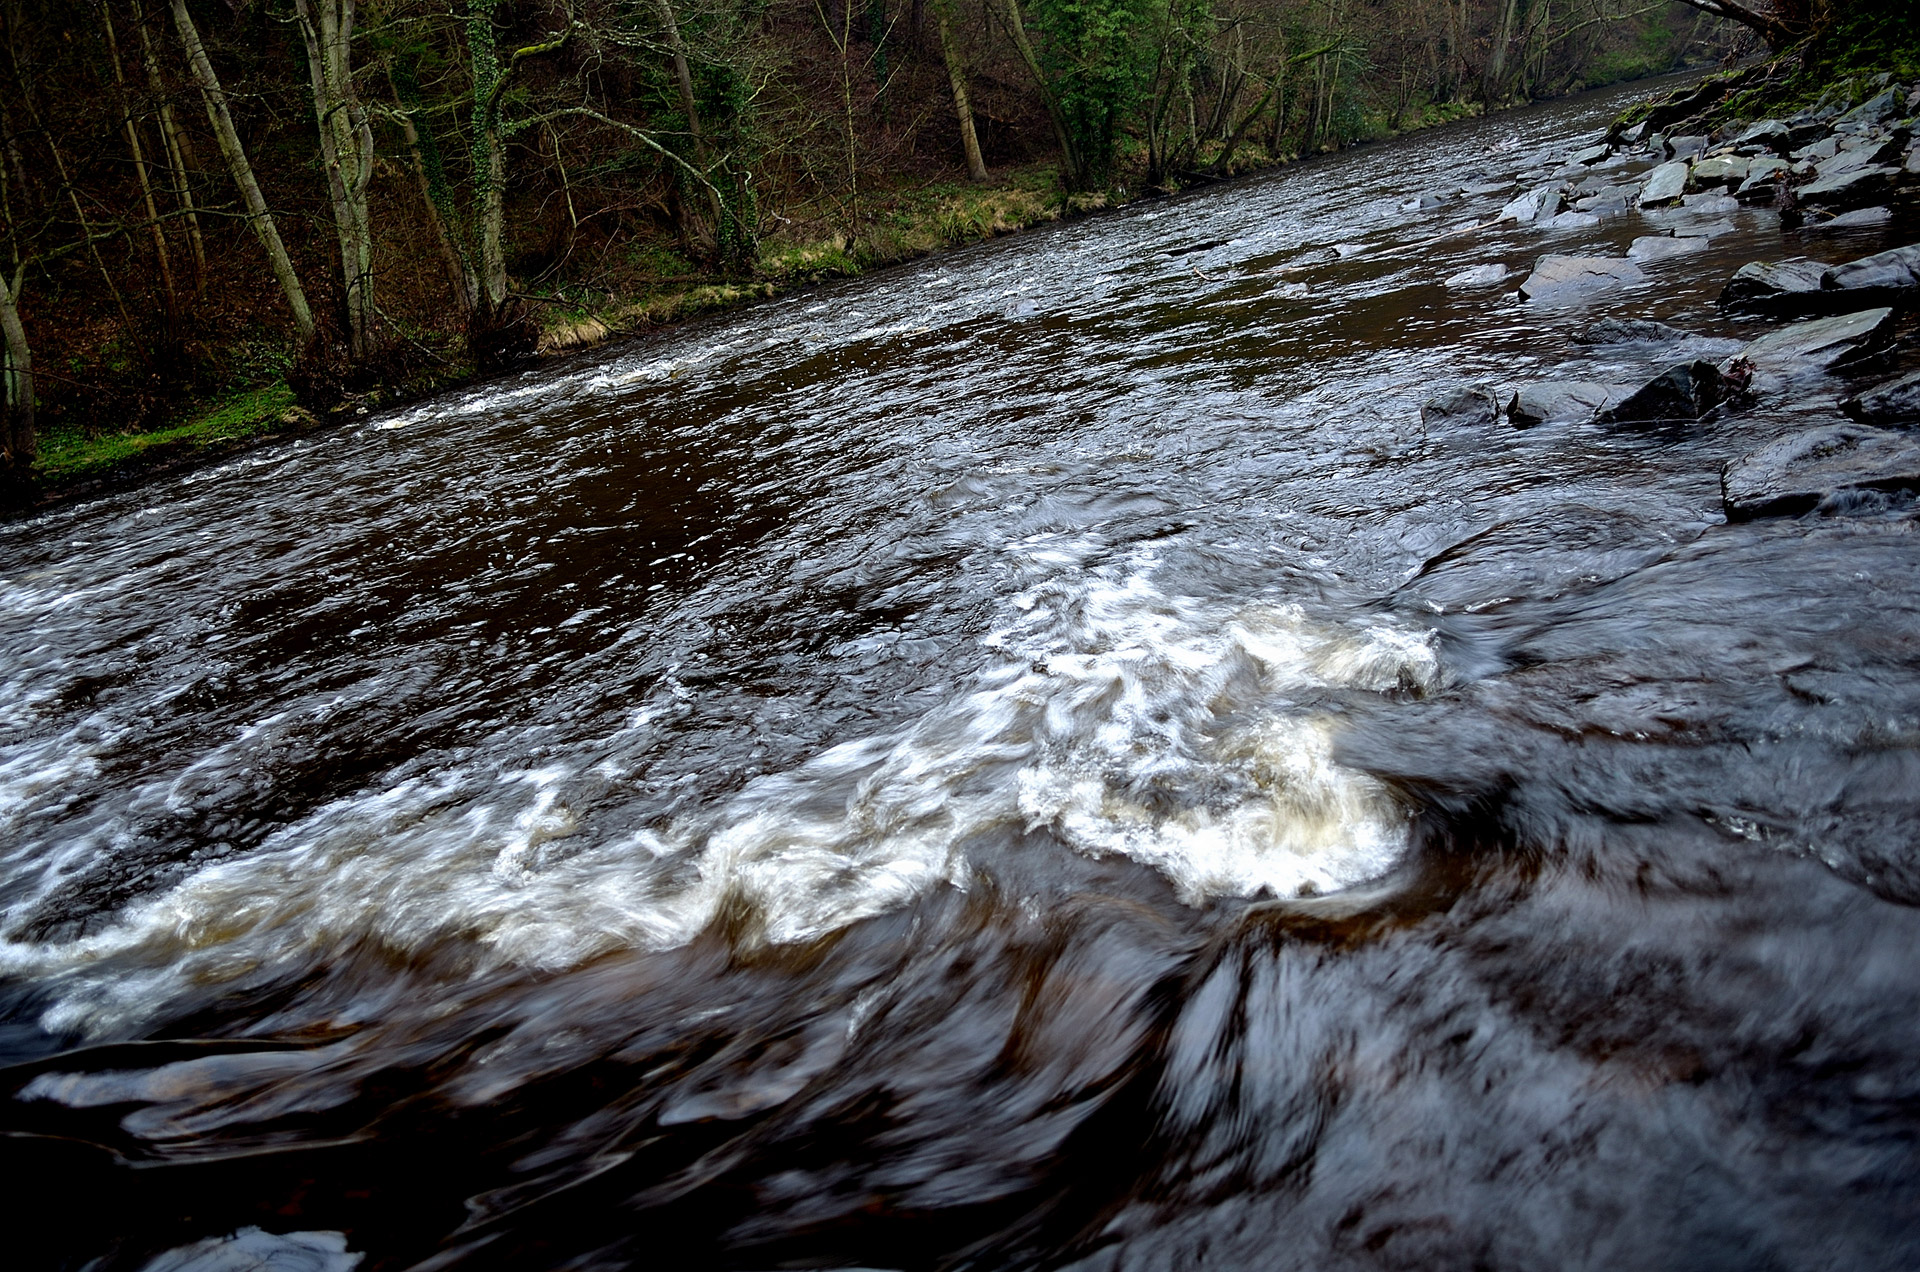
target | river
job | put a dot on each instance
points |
(1036, 758)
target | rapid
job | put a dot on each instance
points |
(1032, 759)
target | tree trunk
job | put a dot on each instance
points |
(18, 444)
(438, 206)
(346, 150)
(1073, 167)
(179, 157)
(957, 81)
(683, 80)
(236, 156)
(139, 159)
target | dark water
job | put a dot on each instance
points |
(1036, 759)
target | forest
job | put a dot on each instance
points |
(244, 214)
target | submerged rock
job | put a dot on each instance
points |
(1562, 401)
(1562, 278)
(1800, 473)
(1775, 289)
(1660, 247)
(1479, 276)
(1819, 343)
(1465, 407)
(1628, 331)
(1684, 391)
(1893, 402)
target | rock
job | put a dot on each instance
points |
(1467, 407)
(1886, 153)
(1660, 247)
(1686, 147)
(1684, 391)
(1573, 221)
(1665, 184)
(1819, 343)
(1895, 271)
(1804, 130)
(1562, 401)
(1859, 218)
(1560, 278)
(1763, 180)
(1775, 289)
(1592, 154)
(1800, 473)
(1892, 402)
(1480, 188)
(1710, 204)
(1608, 331)
(1535, 205)
(1718, 171)
(1478, 276)
(1851, 189)
(1817, 151)
(1913, 161)
(252, 1250)
(1605, 203)
(1876, 108)
(1770, 133)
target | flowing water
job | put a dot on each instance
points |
(1032, 759)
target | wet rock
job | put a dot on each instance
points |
(1800, 473)
(251, 1250)
(1719, 170)
(1684, 391)
(1894, 272)
(1775, 289)
(1608, 331)
(1859, 218)
(1851, 189)
(1562, 401)
(1763, 181)
(1535, 205)
(1820, 343)
(1894, 402)
(1605, 203)
(1660, 247)
(1479, 276)
(1664, 185)
(1816, 151)
(1563, 278)
(1573, 221)
(1592, 154)
(1864, 154)
(1709, 204)
(1466, 407)
(1686, 147)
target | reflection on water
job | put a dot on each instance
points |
(1037, 758)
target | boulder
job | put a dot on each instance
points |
(1684, 391)
(1894, 402)
(1592, 154)
(1894, 272)
(1880, 106)
(1605, 203)
(1478, 276)
(1719, 170)
(1856, 187)
(1535, 205)
(1612, 331)
(1686, 147)
(1664, 185)
(1817, 151)
(1770, 133)
(1470, 406)
(1800, 473)
(1775, 289)
(1564, 278)
(1660, 247)
(1819, 343)
(1562, 401)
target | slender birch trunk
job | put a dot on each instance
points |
(683, 80)
(957, 81)
(229, 137)
(179, 155)
(346, 150)
(18, 443)
(138, 152)
(1069, 153)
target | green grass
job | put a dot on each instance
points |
(70, 455)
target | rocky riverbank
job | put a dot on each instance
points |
(1845, 329)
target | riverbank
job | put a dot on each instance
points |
(895, 227)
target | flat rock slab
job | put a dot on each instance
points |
(1776, 288)
(1563, 401)
(1665, 184)
(1894, 402)
(1562, 278)
(1718, 170)
(1819, 343)
(1535, 205)
(1660, 247)
(1479, 276)
(1468, 407)
(1800, 473)
(1858, 219)
(1894, 270)
(1854, 189)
